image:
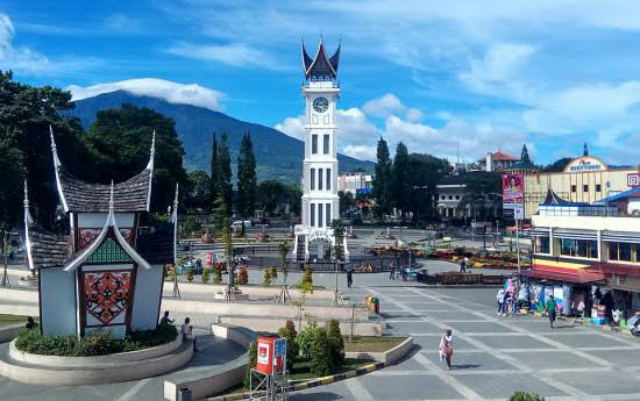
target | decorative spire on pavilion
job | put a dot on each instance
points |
(174, 220)
(321, 67)
(56, 167)
(28, 221)
(150, 165)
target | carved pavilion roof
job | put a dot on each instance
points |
(321, 66)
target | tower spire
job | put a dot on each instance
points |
(111, 201)
(54, 148)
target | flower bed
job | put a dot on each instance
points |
(100, 343)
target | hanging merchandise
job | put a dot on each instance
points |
(537, 297)
(566, 299)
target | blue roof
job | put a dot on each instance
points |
(621, 195)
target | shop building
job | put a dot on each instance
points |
(585, 179)
(358, 183)
(587, 253)
(497, 161)
(450, 192)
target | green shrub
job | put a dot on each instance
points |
(243, 276)
(205, 276)
(522, 396)
(289, 332)
(321, 358)
(96, 344)
(217, 274)
(253, 358)
(191, 225)
(306, 285)
(274, 272)
(266, 280)
(336, 341)
(306, 338)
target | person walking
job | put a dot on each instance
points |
(349, 278)
(446, 347)
(500, 300)
(463, 266)
(550, 308)
(187, 333)
(392, 272)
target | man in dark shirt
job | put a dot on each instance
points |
(165, 321)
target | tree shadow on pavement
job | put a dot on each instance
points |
(324, 396)
(466, 366)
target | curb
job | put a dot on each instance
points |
(585, 323)
(311, 383)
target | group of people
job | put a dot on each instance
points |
(186, 330)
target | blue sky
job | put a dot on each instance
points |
(441, 76)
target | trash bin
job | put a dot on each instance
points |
(375, 305)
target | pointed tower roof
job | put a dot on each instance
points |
(553, 199)
(132, 195)
(321, 67)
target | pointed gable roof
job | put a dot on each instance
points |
(133, 195)
(553, 199)
(321, 66)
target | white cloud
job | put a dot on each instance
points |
(21, 59)
(389, 105)
(172, 92)
(234, 54)
(292, 126)
(121, 23)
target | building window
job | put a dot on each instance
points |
(585, 188)
(319, 179)
(579, 248)
(328, 179)
(541, 245)
(450, 197)
(320, 221)
(325, 145)
(312, 179)
(622, 251)
(457, 197)
(328, 213)
(574, 188)
(314, 144)
(312, 215)
(598, 188)
(442, 197)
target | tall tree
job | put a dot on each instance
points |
(423, 175)
(524, 156)
(400, 181)
(119, 140)
(213, 182)
(223, 174)
(382, 180)
(247, 181)
(199, 191)
(26, 112)
(482, 193)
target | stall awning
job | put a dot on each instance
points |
(620, 236)
(575, 234)
(579, 277)
(618, 269)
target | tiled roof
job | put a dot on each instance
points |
(499, 156)
(156, 246)
(48, 250)
(129, 196)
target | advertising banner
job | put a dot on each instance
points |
(513, 195)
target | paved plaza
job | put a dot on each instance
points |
(494, 356)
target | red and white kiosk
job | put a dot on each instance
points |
(270, 372)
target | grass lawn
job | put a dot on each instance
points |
(371, 344)
(301, 372)
(9, 320)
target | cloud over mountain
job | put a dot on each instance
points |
(172, 92)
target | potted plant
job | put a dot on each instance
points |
(189, 274)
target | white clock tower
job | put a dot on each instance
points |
(320, 202)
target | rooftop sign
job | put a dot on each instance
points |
(585, 164)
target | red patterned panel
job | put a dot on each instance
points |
(126, 233)
(87, 235)
(106, 294)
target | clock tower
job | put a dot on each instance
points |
(320, 202)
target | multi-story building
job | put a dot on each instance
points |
(580, 246)
(585, 179)
(357, 182)
(497, 161)
(450, 191)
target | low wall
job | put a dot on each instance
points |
(287, 311)
(218, 379)
(272, 324)
(388, 357)
(8, 333)
(255, 291)
(93, 361)
(64, 375)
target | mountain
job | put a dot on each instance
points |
(278, 156)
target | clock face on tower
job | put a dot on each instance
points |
(320, 104)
